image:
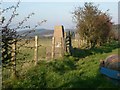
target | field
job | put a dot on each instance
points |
(81, 70)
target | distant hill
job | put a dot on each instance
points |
(49, 33)
(39, 32)
(42, 32)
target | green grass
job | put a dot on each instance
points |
(78, 71)
(25, 59)
(28, 53)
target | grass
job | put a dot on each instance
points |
(106, 48)
(78, 71)
(25, 59)
(29, 52)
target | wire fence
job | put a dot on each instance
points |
(25, 55)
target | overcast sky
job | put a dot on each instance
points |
(56, 13)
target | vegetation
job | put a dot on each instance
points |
(10, 37)
(78, 71)
(92, 24)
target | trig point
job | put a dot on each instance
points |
(58, 41)
(58, 35)
(59, 31)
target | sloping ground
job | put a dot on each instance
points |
(69, 72)
(78, 71)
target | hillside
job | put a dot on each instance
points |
(49, 33)
(78, 71)
(42, 32)
(39, 32)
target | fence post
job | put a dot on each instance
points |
(61, 53)
(36, 50)
(13, 59)
(53, 47)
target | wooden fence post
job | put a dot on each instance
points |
(36, 50)
(13, 59)
(53, 47)
(79, 42)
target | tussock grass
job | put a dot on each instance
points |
(78, 71)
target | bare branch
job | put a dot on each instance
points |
(13, 14)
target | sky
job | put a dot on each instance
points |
(56, 13)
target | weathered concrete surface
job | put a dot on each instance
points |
(58, 43)
(58, 35)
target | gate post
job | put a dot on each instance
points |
(53, 47)
(13, 59)
(36, 50)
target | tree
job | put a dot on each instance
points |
(92, 25)
(10, 35)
